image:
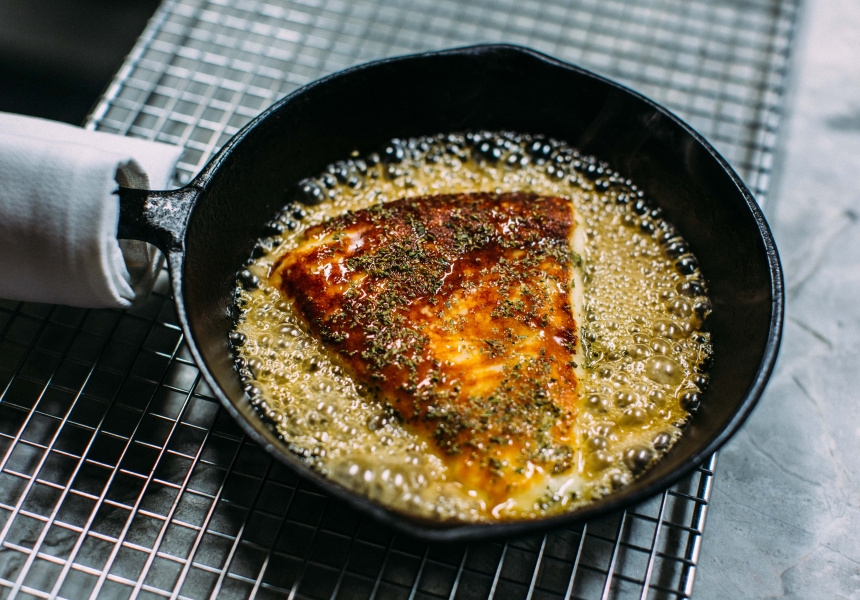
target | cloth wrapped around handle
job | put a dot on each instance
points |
(58, 213)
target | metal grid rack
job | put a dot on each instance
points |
(121, 477)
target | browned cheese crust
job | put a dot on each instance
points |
(455, 311)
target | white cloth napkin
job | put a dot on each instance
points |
(58, 213)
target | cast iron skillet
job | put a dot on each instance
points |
(208, 228)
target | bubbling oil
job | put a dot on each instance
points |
(643, 307)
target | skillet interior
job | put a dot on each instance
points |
(492, 87)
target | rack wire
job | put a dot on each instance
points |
(120, 475)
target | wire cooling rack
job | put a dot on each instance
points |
(122, 477)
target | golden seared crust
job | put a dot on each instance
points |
(455, 310)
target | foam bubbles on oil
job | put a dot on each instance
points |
(644, 306)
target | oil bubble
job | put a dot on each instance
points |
(626, 397)
(680, 308)
(661, 346)
(638, 351)
(669, 329)
(637, 459)
(661, 369)
(634, 416)
(662, 441)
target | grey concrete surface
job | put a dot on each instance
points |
(57, 56)
(785, 514)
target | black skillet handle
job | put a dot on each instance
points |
(159, 218)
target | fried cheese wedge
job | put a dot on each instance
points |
(457, 312)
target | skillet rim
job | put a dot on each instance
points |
(436, 531)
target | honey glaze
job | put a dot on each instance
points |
(639, 358)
